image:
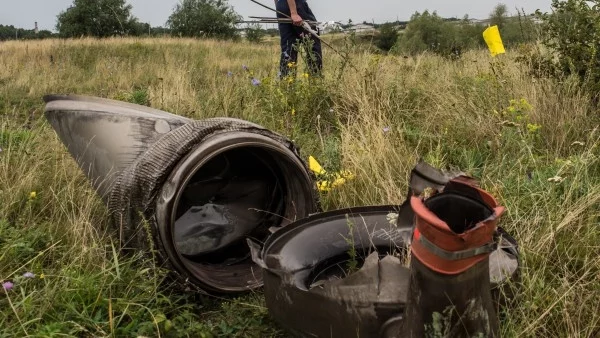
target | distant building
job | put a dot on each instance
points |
(361, 28)
(483, 22)
(330, 27)
(488, 22)
(36, 30)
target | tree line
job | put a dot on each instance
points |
(108, 18)
(12, 33)
(217, 19)
(105, 18)
(425, 31)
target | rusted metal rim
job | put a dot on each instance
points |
(327, 234)
(307, 288)
(298, 201)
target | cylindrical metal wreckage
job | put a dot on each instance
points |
(449, 291)
(202, 195)
(192, 190)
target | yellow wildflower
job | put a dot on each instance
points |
(305, 75)
(42, 276)
(340, 179)
(32, 195)
(525, 105)
(533, 128)
(293, 112)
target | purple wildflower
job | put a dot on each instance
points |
(255, 82)
(386, 129)
(229, 74)
(245, 67)
(28, 275)
(7, 286)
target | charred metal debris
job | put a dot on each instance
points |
(231, 207)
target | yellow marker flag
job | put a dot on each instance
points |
(492, 37)
(314, 166)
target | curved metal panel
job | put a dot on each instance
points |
(106, 136)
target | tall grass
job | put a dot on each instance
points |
(534, 144)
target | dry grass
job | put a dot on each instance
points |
(453, 114)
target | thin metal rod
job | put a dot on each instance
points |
(277, 20)
(272, 18)
(269, 8)
(267, 20)
(266, 17)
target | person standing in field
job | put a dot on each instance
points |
(292, 33)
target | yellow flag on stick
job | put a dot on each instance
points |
(492, 37)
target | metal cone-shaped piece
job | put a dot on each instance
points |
(106, 136)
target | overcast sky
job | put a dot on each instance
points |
(23, 13)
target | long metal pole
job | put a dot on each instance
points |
(280, 19)
(274, 20)
(269, 8)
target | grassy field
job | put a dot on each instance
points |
(534, 143)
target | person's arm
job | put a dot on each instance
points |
(296, 19)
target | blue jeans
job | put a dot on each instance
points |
(290, 35)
